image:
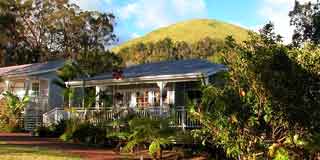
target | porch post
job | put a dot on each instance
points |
(183, 118)
(69, 98)
(7, 85)
(98, 88)
(206, 81)
(161, 86)
(83, 93)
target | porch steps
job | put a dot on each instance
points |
(32, 120)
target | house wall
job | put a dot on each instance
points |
(55, 91)
(130, 95)
(174, 94)
(17, 86)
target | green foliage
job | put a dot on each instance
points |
(145, 131)
(75, 70)
(54, 130)
(167, 49)
(15, 105)
(11, 119)
(305, 17)
(81, 131)
(89, 134)
(267, 107)
(281, 154)
(71, 126)
(57, 30)
(313, 145)
(43, 131)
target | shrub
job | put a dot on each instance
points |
(89, 134)
(59, 128)
(42, 131)
(54, 130)
(67, 136)
(6, 126)
(14, 108)
(155, 133)
(86, 133)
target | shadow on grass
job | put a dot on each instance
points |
(18, 152)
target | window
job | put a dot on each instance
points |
(35, 90)
(154, 98)
(44, 85)
(142, 99)
(105, 97)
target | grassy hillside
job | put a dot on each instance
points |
(191, 31)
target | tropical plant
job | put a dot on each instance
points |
(155, 133)
(14, 108)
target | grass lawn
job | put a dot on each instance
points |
(11, 152)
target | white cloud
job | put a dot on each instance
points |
(135, 35)
(108, 1)
(277, 11)
(148, 14)
(184, 7)
(127, 10)
(95, 5)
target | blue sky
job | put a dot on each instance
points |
(137, 17)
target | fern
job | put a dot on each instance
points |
(156, 145)
(155, 132)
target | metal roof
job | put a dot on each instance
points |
(5, 70)
(31, 69)
(166, 68)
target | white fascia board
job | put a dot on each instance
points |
(138, 80)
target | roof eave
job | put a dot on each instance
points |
(31, 73)
(137, 80)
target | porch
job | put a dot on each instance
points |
(179, 116)
(161, 89)
(145, 100)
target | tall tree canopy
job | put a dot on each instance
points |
(306, 20)
(167, 49)
(40, 30)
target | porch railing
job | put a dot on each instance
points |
(178, 115)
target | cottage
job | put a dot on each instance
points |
(38, 79)
(147, 89)
(153, 89)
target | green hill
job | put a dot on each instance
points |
(191, 31)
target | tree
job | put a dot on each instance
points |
(167, 49)
(306, 20)
(36, 31)
(267, 107)
(268, 35)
